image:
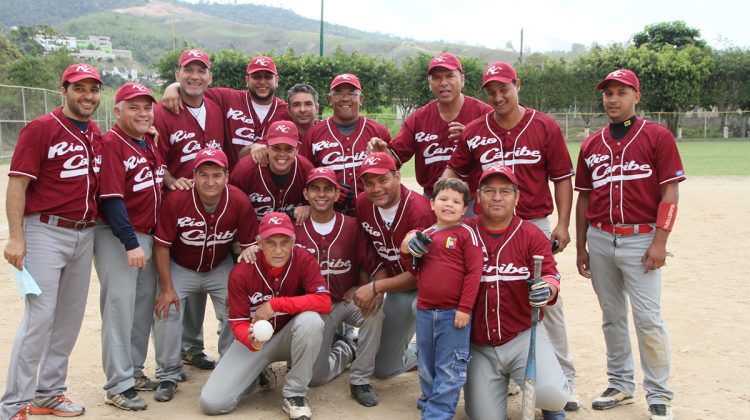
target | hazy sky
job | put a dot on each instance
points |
(547, 24)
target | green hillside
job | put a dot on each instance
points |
(52, 12)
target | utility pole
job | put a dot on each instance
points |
(520, 56)
(321, 28)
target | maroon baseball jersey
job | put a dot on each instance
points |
(413, 213)
(325, 146)
(200, 240)
(242, 127)
(625, 176)
(341, 254)
(181, 136)
(63, 165)
(425, 134)
(535, 150)
(448, 277)
(133, 174)
(265, 195)
(251, 285)
(502, 307)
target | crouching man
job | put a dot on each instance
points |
(284, 286)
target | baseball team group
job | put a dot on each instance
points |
(304, 228)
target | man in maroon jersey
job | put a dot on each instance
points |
(192, 244)
(431, 133)
(387, 211)
(532, 145)
(283, 286)
(279, 186)
(50, 205)
(129, 197)
(247, 113)
(340, 142)
(628, 182)
(501, 323)
(182, 136)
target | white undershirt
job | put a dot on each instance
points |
(324, 228)
(199, 114)
(261, 110)
(388, 215)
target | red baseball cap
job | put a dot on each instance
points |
(80, 71)
(208, 154)
(499, 170)
(275, 224)
(446, 61)
(499, 72)
(188, 56)
(623, 76)
(132, 90)
(322, 173)
(261, 63)
(283, 132)
(379, 163)
(349, 78)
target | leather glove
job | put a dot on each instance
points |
(418, 244)
(539, 294)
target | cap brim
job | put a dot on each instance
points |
(127, 98)
(315, 178)
(376, 171)
(186, 62)
(497, 79)
(80, 77)
(283, 140)
(604, 82)
(484, 178)
(198, 163)
(334, 86)
(442, 66)
(276, 231)
(262, 69)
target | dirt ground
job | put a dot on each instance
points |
(703, 301)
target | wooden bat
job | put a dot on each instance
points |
(529, 380)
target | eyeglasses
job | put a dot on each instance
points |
(352, 94)
(490, 192)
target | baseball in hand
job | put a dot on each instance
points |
(262, 330)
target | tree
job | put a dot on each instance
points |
(728, 86)
(8, 54)
(675, 34)
(546, 86)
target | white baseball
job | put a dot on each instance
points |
(262, 330)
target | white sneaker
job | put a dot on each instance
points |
(574, 402)
(297, 408)
(513, 388)
(611, 398)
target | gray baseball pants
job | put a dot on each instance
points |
(192, 324)
(236, 373)
(490, 368)
(126, 302)
(397, 353)
(554, 319)
(59, 260)
(168, 332)
(617, 274)
(334, 357)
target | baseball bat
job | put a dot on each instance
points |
(529, 380)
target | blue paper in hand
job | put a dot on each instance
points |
(26, 284)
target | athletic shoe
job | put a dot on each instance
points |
(22, 413)
(200, 360)
(267, 380)
(127, 400)
(165, 391)
(660, 412)
(144, 383)
(182, 376)
(345, 341)
(513, 388)
(57, 406)
(574, 402)
(297, 408)
(364, 394)
(611, 398)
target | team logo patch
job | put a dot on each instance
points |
(450, 242)
(321, 289)
(679, 173)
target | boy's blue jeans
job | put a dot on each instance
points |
(443, 352)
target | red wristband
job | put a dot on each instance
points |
(666, 215)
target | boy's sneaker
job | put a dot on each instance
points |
(660, 412)
(144, 383)
(22, 413)
(57, 406)
(267, 380)
(611, 398)
(126, 400)
(200, 360)
(297, 408)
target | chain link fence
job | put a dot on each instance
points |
(19, 105)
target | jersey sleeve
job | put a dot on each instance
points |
(403, 145)
(218, 94)
(669, 167)
(383, 133)
(248, 226)
(240, 176)
(473, 262)
(165, 224)
(305, 166)
(305, 145)
(559, 164)
(29, 151)
(112, 175)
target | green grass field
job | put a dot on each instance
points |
(701, 158)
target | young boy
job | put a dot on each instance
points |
(448, 272)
